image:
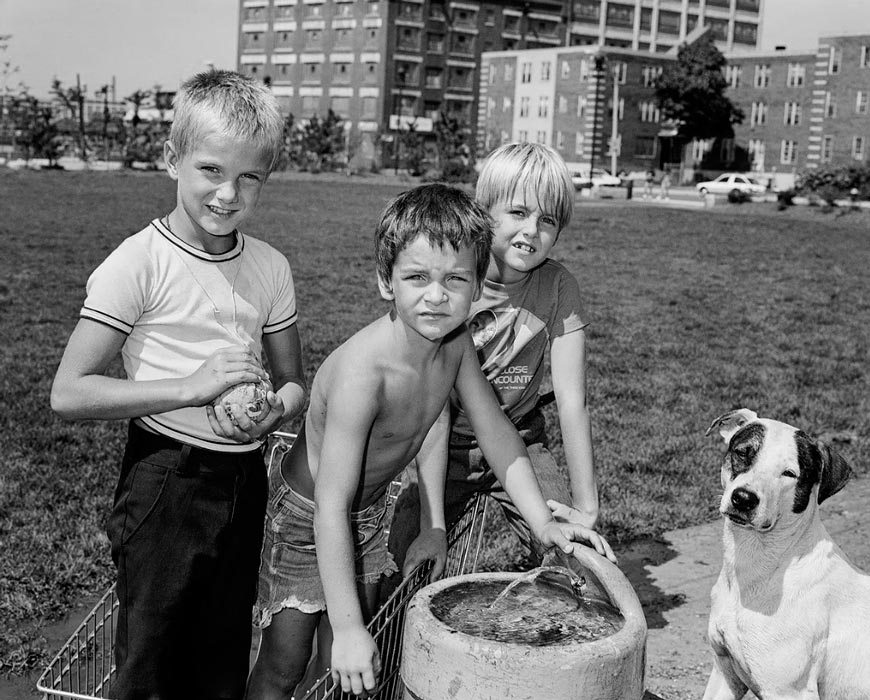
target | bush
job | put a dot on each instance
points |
(830, 184)
(785, 199)
(457, 171)
(737, 197)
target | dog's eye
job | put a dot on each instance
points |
(790, 474)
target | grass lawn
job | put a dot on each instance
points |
(691, 313)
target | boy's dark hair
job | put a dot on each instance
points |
(444, 214)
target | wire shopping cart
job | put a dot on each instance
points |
(84, 667)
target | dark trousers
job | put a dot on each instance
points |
(186, 531)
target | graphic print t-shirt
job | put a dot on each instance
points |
(512, 326)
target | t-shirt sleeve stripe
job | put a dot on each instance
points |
(106, 319)
(278, 326)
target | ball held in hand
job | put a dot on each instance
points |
(251, 396)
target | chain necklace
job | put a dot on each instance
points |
(218, 317)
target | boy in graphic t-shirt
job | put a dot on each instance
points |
(529, 305)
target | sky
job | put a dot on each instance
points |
(143, 43)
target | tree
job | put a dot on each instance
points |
(323, 141)
(73, 99)
(691, 92)
(35, 130)
(454, 151)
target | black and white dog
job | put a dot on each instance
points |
(790, 615)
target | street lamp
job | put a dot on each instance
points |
(400, 82)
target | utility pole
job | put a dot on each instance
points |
(614, 122)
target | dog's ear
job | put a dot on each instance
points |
(729, 423)
(835, 471)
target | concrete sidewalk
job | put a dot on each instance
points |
(673, 577)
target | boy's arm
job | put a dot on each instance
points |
(284, 353)
(507, 455)
(352, 408)
(568, 368)
(81, 391)
(431, 543)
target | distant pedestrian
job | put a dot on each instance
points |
(648, 181)
(665, 185)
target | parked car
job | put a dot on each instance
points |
(728, 183)
(600, 178)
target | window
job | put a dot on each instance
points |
(588, 11)
(645, 146)
(756, 153)
(726, 151)
(313, 38)
(563, 104)
(650, 74)
(508, 72)
(434, 77)
(255, 13)
(762, 75)
(542, 137)
(253, 40)
(830, 106)
(566, 69)
(646, 19)
(524, 106)
(409, 38)
(341, 73)
(745, 33)
(527, 73)
(372, 37)
(344, 10)
(827, 149)
(340, 106)
(369, 107)
(758, 114)
(858, 148)
(649, 112)
(560, 140)
(284, 11)
(506, 104)
(620, 70)
(411, 11)
(861, 98)
(864, 61)
(313, 11)
(543, 106)
(310, 105)
(788, 152)
(370, 73)
(732, 76)
(669, 22)
(343, 37)
(545, 70)
(489, 18)
(620, 108)
(461, 43)
(584, 69)
(523, 135)
(834, 60)
(796, 75)
(578, 143)
(373, 8)
(581, 106)
(460, 77)
(435, 43)
(620, 15)
(311, 73)
(490, 107)
(791, 114)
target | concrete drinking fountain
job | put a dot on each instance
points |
(543, 634)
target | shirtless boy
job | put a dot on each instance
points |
(372, 403)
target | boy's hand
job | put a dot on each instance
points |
(224, 369)
(430, 545)
(563, 535)
(572, 514)
(356, 662)
(244, 429)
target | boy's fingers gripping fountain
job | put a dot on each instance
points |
(547, 633)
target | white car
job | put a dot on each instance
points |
(731, 182)
(600, 178)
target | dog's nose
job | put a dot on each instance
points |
(743, 500)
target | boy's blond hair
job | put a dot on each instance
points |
(232, 104)
(528, 167)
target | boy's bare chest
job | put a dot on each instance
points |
(412, 404)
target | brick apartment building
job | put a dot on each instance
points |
(802, 108)
(380, 64)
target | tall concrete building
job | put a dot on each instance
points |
(381, 64)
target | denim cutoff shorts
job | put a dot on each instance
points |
(289, 577)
